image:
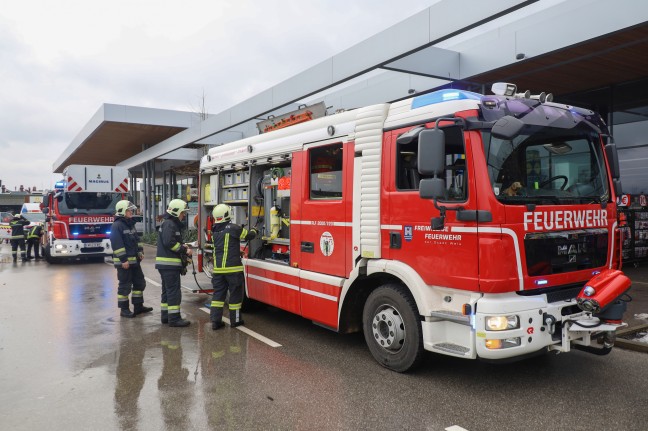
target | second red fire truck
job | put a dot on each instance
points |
(80, 211)
(476, 226)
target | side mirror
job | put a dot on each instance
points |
(507, 128)
(613, 160)
(618, 189)
(432, 188)
(431, 152)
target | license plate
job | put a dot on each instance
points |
(92, 244)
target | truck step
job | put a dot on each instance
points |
(451, 348)
(453, 316)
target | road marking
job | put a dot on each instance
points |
(154, 283)
(455, 428)
(250, 332)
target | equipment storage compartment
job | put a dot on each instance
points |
(270, 197)
(235, 187)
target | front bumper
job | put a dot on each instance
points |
(77, 248)
(555, 326)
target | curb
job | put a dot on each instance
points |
(630, 344)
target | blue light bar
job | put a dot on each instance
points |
(541, 282)
(443, 96)
(60, 185)
(107, 232)
(75, 233)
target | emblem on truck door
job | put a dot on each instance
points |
(326, 244)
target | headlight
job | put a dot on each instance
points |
(502, 323)
(59, 246)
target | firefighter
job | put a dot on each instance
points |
(33, 240)
(17, 224)
(228, 268)
(128, 252)
(169, 261)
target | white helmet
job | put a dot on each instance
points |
(222, 213)
(123, 206)
(177, 206)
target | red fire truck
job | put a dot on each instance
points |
(476, 226)
(80, 211)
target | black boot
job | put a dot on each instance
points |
(165, 316)
(141, 309)
(235, 318)
(125, 312)
(175, 320)
(217, 325)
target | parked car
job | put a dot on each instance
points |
(139, 224)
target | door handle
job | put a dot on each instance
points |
(307, 247)
(395, 240)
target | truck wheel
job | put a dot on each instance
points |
(392, 328)
(48, 255)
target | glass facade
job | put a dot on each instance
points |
(626, 108)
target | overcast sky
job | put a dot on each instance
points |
(60, 60)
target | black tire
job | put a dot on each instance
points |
(251, 305)
(48, 255)
(392, 328)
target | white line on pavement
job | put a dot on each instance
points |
(154, 283)
(250, 332)
(455, 428)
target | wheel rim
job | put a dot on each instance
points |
(388, 328)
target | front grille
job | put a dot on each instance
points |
(556, 293)
(560, 252)
(89, 228)
(92, 250)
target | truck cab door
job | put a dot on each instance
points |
(447, 257)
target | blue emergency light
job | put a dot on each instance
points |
(443, 96)
(60, 185)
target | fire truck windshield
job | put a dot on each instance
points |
(87, 203)
(548, 165)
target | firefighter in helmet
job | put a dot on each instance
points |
(128, 252)
(228, 268)
(169, 261)
(33, 240)
(17, 224)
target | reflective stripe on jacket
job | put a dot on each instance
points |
(169, 244)
(227, 247)
(18, 227)
(35, 232)
(124, 241)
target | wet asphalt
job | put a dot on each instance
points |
(69, 362)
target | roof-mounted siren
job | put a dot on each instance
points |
(543, 97)
(509, 90)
